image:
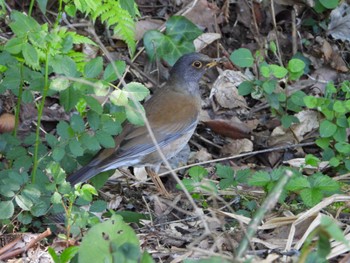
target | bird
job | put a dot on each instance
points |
(172, 113)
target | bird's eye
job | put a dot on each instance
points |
(197, 64)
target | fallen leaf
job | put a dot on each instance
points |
(234, 147)
(225, 90)
(230, 129)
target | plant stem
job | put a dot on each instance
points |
(31, 7)
(40, 113)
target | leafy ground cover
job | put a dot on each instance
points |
(265, 176)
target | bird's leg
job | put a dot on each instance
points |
(158, 182)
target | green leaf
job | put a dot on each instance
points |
(68, 253)
(39, 208)
(288, 120)
(90, 142)
(296, 65)
(324, 183)
(58, 153)
(93, 68)
(136, 91)
(56, 198)
(130, 6)
(119, 97)
(278, 71)
(42, 5)
(98, 206)
(327, 128)
(105, 139)
(77, 123)
(177, 41)
(134, 113)
(242, 57)
(260, 178)
(245, 88)
(64, 65)
(269, 86)
(110, 75)
(23, 24)
(64, 130)
(6, 209)
(94, 104)
(14, 45)
(180, 29)
(197, 173)
(23, 202)
(311, 196)
(93, 120)
(227, 176)
(297, 183)
(59, 84)
(329, 4)
(339, 107)
(75, 148)
(30, 55)
(311, 159)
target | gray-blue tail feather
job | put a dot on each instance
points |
(83, 174)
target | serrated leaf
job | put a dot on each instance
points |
(119, 97)
(64, 65)
(30, 55)
(259, 179)
(58, 153)
(77, 123)
(75, 148)
(93, 68)
(311, 196)
(105, 139)
(136, 91)
(90, 142)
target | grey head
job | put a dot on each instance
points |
(188, 70)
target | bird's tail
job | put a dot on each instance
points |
(83, 174)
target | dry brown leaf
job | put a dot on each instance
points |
(225, 90)
(206, 15)
(308, 122)
(230, 129)
(234, 147)
(147, 24)
(205, 40)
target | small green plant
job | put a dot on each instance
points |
(266, 85)
(42, 61)
(177, 40)
(335, 107)
(311, 189)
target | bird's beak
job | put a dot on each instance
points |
(214, 62)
